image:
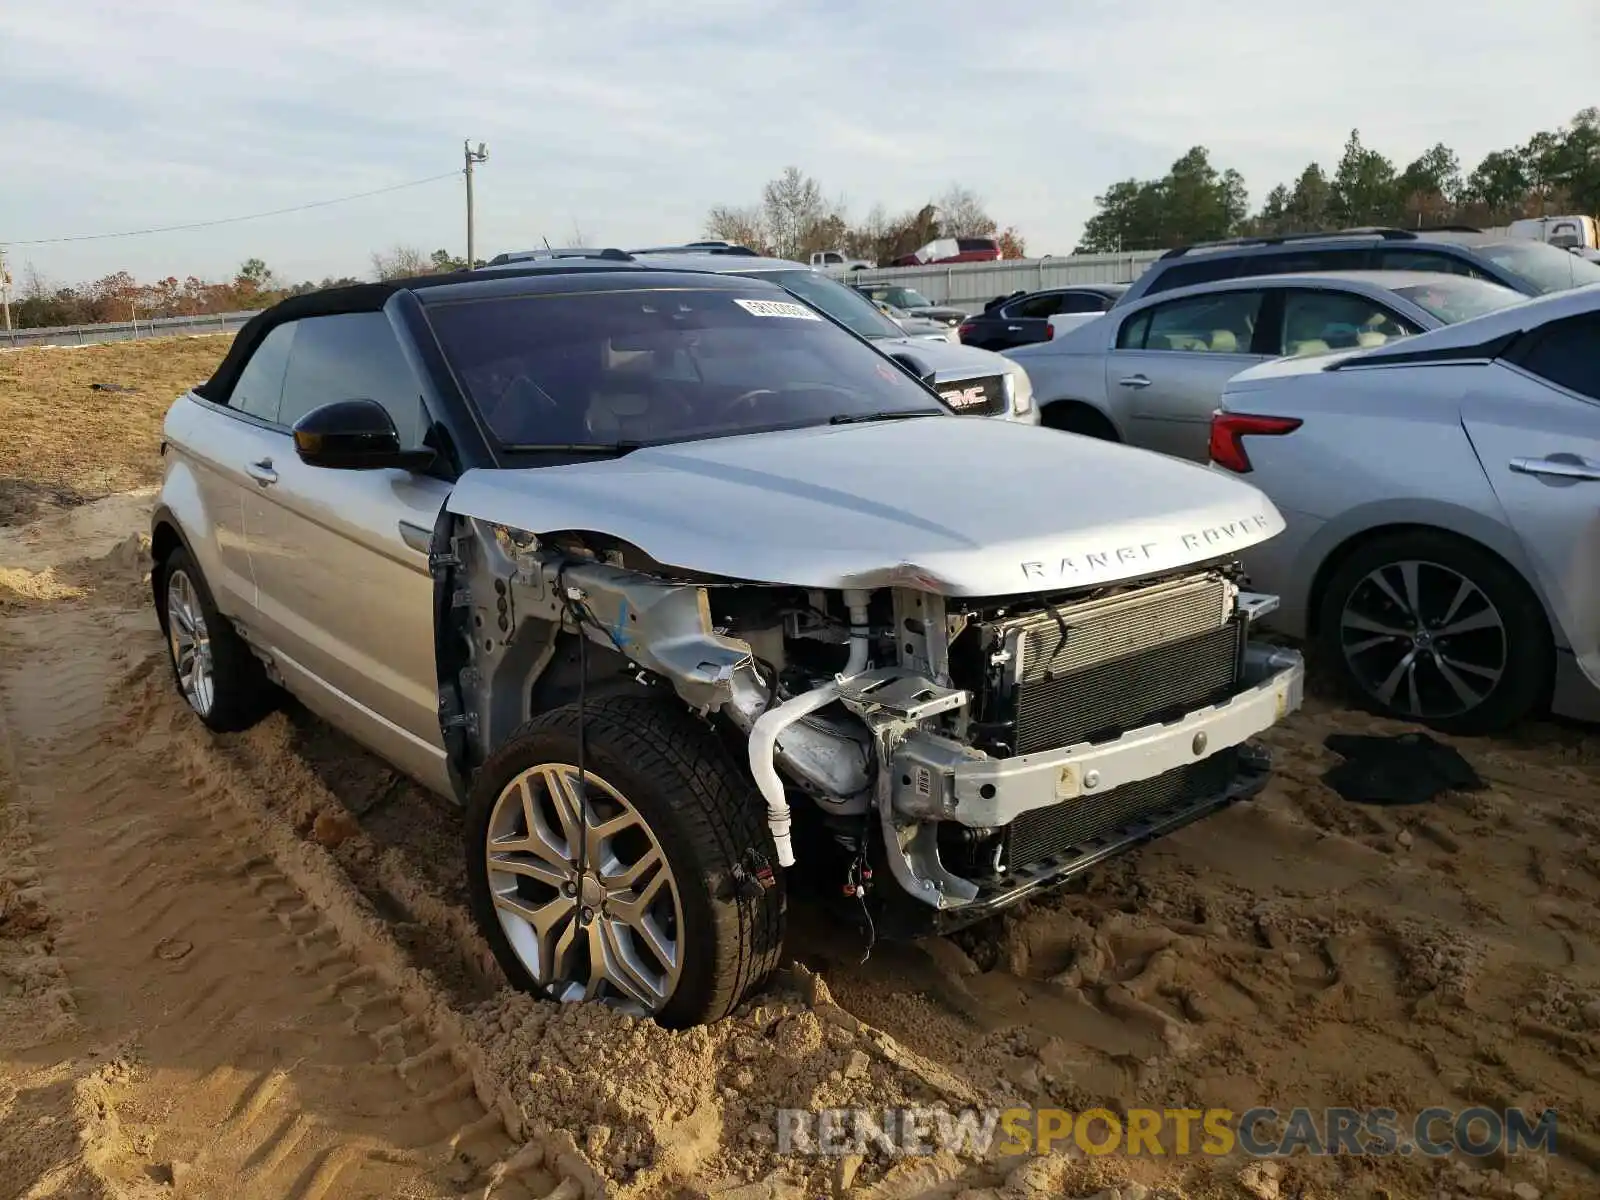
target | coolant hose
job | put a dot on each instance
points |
(764, 744)
(857, 600)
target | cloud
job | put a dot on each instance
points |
(633, 118)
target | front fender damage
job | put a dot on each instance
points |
(508, 598)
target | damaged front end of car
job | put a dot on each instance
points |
(978, 749)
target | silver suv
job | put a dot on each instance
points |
(678, 587)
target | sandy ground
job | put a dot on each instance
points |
(243, 966)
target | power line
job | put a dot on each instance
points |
(277, 212)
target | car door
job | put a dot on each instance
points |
(221, 443)
(1536, 430)
(341, 556)
(1170, 360)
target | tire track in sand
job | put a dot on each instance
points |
(253, 1052)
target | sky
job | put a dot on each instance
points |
(623, 121)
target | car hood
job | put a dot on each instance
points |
(948, 360)
(942, 312)
(944, 504)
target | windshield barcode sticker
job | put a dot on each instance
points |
(777, 308)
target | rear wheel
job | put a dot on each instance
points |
(1432, 628)
(648, 893)
(216, 673)
(1071, 417)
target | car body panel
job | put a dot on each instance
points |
(1424, 434)
(1516, 416)
(372, 660)
(867, 506)
(207, 488)
(1010, 323)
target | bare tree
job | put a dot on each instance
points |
(961, 214)
(400, 262)
(744, 226)
(793, 207)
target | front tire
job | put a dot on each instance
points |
(217, 675)
(1428, 627)
(669, 914)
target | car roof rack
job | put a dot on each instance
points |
(547, 254)
(700, 248)
(1449, 229)
(1387, 233)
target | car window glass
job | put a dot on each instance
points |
(1035, 307)
(1425, 260)
(352, 356)
(1543, 268)
(602, 368)
(1221, 323)
(260, 384)
(1131, 335)
(1568, 354)
(1082, 302)
(1331, 258)
(1315, 322)
(1205, 270)
(1458, 298)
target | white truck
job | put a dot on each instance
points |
(838, 260)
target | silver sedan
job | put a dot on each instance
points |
(1442, 501)
(1149, 373)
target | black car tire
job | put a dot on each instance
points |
(241, 692)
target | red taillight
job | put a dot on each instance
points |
(1228, 431)
(1049, 330)
(966, 328)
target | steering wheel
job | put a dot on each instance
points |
(746, 400)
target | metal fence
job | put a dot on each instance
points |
(972, 285)
(122, 331)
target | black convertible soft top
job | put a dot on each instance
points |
(352, 298)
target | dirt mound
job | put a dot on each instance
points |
(1294, 951)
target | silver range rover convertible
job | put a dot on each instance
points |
(680, 588)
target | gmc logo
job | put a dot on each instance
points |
(970, 397)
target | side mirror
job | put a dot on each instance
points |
(354, 435)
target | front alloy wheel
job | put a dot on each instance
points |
(583, 892)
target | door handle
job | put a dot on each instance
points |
(1134, 381)
(1013, 328)
(262, 472)
(1557, 469)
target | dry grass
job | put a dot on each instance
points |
(65, 443)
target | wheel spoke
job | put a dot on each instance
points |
(1353, 620)
(632, 907)
(1492, 674)
(1485, 619)
(1361, 647)
(563, 793)
(1408, 577)
(1387, 589)
(622, 969)
(531, 868)
(541, 840)
(1462, 594)
(628, 878)
(1458, 685)
(598, 833)
(1406, 666)
(598, 974)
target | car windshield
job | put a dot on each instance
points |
(1459, 298)
(844, 304)
(619, 369)
(1545, 268)
(904, 297)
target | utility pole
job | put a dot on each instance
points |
(5, 288)
(471, 157)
